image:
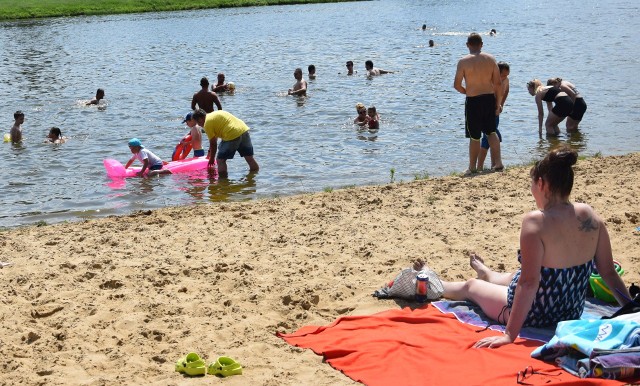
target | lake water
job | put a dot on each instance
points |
(150, 66)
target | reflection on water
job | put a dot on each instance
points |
(224, 189)
(576, 140)
(50, 67)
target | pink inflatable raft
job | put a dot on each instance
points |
(116, 170)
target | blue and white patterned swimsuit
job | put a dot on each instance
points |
(561, 294)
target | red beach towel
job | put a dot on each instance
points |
(424, 347)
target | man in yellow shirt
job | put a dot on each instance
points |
(233, 134)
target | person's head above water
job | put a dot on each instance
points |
(556, 170)
(100, 94)
(18, 114)
(54, 133)
(431, 43)
(368, 64)
(204, 82)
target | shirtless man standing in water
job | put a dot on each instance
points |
(483, 88)
(300, 87)
(205, 98)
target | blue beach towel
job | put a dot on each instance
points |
(577, 344)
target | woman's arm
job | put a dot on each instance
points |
(531, 252)
(606, 269)
(540, 112)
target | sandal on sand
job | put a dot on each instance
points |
(191, 364)
(225, 367)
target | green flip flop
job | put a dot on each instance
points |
(191, 364)
(225, 367)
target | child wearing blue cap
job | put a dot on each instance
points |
(149, 160)
(196, 135)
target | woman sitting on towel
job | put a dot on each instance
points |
(558, 243)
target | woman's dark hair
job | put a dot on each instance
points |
(556, 169)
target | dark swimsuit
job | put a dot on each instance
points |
(563, 105)
(561, 294)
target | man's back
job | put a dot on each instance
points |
(478, 70)
(205, 100)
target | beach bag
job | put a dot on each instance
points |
(404, 286)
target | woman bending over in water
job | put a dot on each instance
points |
(561, 102)
(559, 243)
(579, 105)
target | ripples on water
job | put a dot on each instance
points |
(150, 65)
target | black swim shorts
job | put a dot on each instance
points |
(480, 116)
(562, 106)
(579, 108)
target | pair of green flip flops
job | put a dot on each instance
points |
(193, 365)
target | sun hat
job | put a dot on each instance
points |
(135, 142)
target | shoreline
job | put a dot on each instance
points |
(35, 9)
(82, 298)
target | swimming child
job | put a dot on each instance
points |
(374, 118)
(362, 118)
(55, 136)
(149, 160)
(96, 100)
(312, 71)
(16, 129)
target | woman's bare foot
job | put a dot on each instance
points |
(477, 263)
(419, 264)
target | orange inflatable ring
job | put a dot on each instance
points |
(182, 149)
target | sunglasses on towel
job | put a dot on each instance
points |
(529, 371)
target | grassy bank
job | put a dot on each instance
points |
(31, 9)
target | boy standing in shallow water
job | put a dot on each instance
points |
(196, 135)
(484, 143)
(16, 129)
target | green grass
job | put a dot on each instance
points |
(421, 176)
(31, 9)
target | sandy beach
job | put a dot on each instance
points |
(119, 300)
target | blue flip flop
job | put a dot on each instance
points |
(191, 364)
(225, 367)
